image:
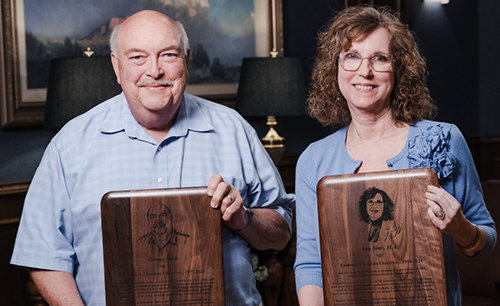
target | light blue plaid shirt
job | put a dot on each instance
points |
(105, 149)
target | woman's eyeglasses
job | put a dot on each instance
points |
(351, 61)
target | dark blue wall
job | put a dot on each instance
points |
(20, 152)
(448, 37)
(460, 41)
(489, 67)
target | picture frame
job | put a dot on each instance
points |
(20, 106)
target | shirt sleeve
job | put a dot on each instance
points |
(44, 239)
(465, 186)
(308, 259)
(267, 189)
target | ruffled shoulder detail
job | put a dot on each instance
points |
(430, 149)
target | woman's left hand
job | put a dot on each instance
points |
(446, 212)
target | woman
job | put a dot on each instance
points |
(375, 207)
(369, 78)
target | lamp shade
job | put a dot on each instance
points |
(271, 86)
(76, 85)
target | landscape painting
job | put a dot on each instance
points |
(221, 33)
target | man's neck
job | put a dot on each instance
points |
(162, 240)
(155, 127)
(158, 135)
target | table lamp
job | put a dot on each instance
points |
(272, 86)
(76, 85)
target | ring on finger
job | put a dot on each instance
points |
(441, 214)
(230, 198)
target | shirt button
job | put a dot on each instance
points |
(389, 165)
(159, 148)
(160, 180)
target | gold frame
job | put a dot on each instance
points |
(16, 112)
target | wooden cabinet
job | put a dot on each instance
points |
(13, 280)
(279, 287)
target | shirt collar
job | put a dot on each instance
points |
(189, 117)
(119, 118)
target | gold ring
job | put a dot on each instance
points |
(440, 214)
(230, 198)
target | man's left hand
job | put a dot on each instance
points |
(228, 198)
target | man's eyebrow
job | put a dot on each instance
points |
(132, 50)
(167, 48)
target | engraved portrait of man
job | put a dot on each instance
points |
(162, 231)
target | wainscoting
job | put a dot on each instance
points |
(13, 280)
(486, 153)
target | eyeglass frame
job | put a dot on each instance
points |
(389, 56)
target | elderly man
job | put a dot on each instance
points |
(153, 135)
(162, 231)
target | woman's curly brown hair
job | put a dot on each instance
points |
(410, 98)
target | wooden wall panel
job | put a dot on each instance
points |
(13, 280)
(486, 153)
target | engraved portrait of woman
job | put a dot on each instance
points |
(376, 209)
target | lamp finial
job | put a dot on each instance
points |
(89, 52)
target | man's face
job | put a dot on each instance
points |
(375, 207)
(160, 219)
(151, 66)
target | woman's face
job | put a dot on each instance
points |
(366, 90)
(375, 207)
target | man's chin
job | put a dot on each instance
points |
(160, 230)
(158, 101)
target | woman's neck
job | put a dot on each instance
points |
(375, 140)
(373, 127)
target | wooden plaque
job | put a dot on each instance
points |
(378, 245)
(162, 247)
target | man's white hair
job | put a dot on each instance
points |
(183, 39)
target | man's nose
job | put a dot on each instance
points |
(155, 71)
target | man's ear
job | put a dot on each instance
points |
(187, 58)
(116, 68)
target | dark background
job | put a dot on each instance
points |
(460, 41)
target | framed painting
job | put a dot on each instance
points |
(221, 34)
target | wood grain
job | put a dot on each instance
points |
(148, 265)
(404, 265)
